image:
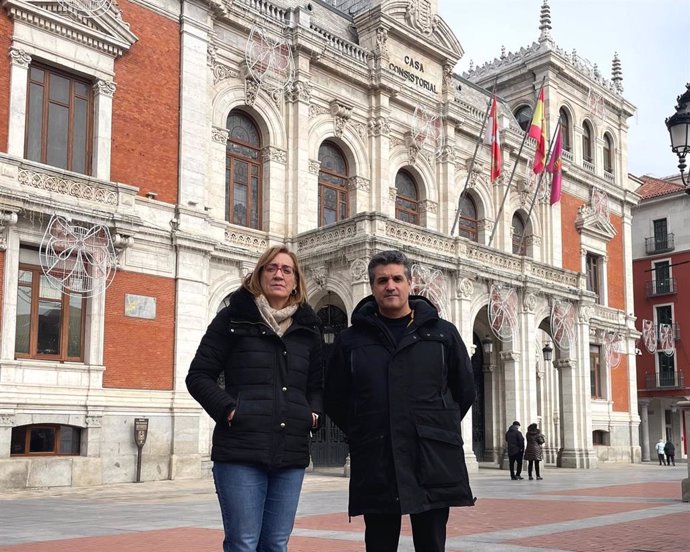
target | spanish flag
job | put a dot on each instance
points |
(537, 130)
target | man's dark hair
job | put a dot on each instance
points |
(392, 256)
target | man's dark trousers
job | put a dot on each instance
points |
(515, 462)
(382, 531)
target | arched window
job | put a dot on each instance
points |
(519, 243)
(332, 184)
(243, 171)
(587, 142)
(467, 224)
(564, 121)
(523, 115)
(406, 198)
(608, 153)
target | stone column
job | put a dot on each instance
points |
(644, 424)
(19, 76)
(7, 421)
(102, 131)
(510, 360)
(195, 118)
(463, 321)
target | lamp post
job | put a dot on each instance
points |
(678, 126)
(685, 483)
(487, 345)
(547, 351)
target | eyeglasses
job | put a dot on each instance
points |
(285, 269)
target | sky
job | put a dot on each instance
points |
(650, 36)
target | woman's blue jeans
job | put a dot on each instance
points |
(258, 505)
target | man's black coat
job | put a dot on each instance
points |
(400, 405)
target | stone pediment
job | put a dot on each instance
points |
(596, 224)
(107, 33)
(417, 21)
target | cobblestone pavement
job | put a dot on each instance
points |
(610, 509)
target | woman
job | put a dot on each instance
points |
(533, 454)
(267, 344)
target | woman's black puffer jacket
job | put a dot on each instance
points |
(273, 383)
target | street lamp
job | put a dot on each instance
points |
(547, 351)
(487, 345)
(678, 126)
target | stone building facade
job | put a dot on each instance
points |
(201, 132)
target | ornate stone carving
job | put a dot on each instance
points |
(447, 77)
(76, 188)
(342, 114)
(220, 135)
(7, 219)
(299, 91)
(314, 166)
(465, 289)
(104, 88)
(222, 72)
(19, 57)
(93, 421)
(271, 153)
(246, 239)
(379, 126)
(122, 241)
(392, 193)
(358, 271)
(530, 302)
(320, 275)
(412, 152)
(510, 356)
(420, 16)
(381, 39)
(428, 206)
(585, 314)
(251, 90)
(359, 183)
(315, 110)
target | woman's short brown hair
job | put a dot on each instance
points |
(252, 281)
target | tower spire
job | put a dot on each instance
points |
(617, 73)
(545, 22)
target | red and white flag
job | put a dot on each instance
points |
(491, 138)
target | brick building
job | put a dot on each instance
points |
(661, 266)
(155, 122)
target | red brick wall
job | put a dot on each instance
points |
(620, 391)
(139, 352)
(146, 105)
(5, 42)
(571, 237)
(615, 266)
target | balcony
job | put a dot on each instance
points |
(660, 244)
(667, 286)
(673, 380)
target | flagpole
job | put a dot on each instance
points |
(458, 211)
(517, 158)
(536, 191)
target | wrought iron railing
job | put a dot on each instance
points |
(671, 380)
(664, 286)
(659, 244)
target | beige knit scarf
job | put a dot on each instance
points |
(278, 319)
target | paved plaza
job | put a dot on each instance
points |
(610, 509)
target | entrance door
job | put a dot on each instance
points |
(478, 419)
(328, 445)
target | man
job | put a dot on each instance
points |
(399, 383)
(516, 449)
(660, 451)
(670, 451)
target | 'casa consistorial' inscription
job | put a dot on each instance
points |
(412, 70)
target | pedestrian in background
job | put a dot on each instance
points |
(660, 451)
(516, 448)
(267, 343)
(670, 452)
(533, 452)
